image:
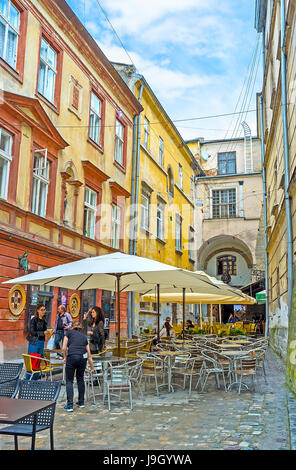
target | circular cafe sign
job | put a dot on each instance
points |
(16, 300)
(74, 305)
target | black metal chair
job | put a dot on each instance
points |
(9, 388)
(35, 390)
(10, 371)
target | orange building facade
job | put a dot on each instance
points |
(66, 137)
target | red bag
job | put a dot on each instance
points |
(36, 362)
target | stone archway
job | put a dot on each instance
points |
(226, 246)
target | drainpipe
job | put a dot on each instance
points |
(137, 173)
(134, 200)
(265, 214)
(264, 194)
(286, 158)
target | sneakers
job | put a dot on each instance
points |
(80, 405)
(68, 407)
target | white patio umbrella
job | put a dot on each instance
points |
(121, 273)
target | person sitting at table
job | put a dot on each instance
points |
(95, 319)
(76, 352)
(189, 325)
(232, 318)
(36, 336)
(166, 330)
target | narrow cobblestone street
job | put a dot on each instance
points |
(210, 421)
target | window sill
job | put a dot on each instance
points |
(120, 167)
(146, 231)
(160, 240)
(11, 70)
(179, 252)
(95, 145)
(48, 103)
(191, 260)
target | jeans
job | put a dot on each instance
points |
(75, 364)
(37, 348)
(59, 338)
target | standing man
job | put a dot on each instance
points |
(62, 324)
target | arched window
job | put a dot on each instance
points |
(226, 264)
(170, 181)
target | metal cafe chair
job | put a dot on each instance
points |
(10, 370)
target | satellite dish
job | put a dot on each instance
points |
(205, 155)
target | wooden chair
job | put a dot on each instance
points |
(35, 390)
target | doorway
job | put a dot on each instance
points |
(226, 311)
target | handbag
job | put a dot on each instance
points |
(51, 343)
(32, 339)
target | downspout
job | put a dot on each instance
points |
(137, 172)
(265, 214)
(264, 194)
(286, 158)
(131, 308)
(135, 198)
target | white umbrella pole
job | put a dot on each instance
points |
(211, 317)
(118, 314)
(183, 334)
(220, 315)
(200, 316)
(158, 313)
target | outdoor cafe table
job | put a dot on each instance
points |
(13, 410)
(229, 345)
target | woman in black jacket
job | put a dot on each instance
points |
(36, 336)
(97, 334)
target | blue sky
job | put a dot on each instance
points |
(195, 55)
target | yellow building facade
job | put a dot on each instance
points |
(162, 225)
(66, 124)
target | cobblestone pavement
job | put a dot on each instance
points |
(213, 420)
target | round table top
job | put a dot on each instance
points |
(240, 341)
(107, 358)
(229, 345)
(234, 353)
(169, 353)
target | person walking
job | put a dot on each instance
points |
(36, 336)
(62, 324)
(95, 320)
(76, 352)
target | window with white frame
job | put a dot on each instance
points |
(47, 71)
(9, 32)
(146, 133)
(5, 159)
(90, 211)
(178, 239)
(119, 142)
(160, 220)
(226, 163)
(145, 210)
(160, 151)
(95, 119)
(180, 176)
(224, 203)
(40, 182)
(115, 226)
